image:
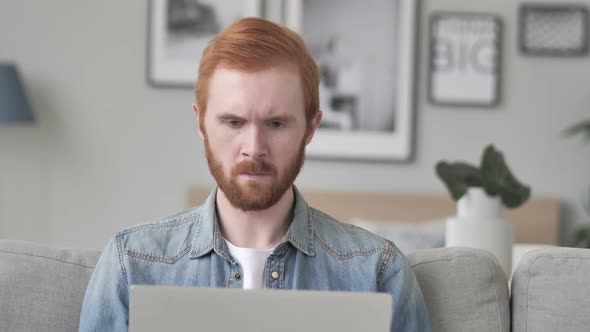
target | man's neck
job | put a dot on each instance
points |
(261, 229)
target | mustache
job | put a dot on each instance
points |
(253, 167)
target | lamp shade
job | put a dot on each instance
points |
(14, 106)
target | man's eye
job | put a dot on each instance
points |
(235, 123)
(276, 124)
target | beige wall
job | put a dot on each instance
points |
(109, 151)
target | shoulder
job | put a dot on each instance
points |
(165, 239)
(347, 240)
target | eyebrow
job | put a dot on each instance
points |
(230, 116)
(282, 118)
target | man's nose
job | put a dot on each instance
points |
(255, 145)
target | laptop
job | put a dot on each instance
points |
(166, 308)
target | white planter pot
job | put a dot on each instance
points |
(479, 224)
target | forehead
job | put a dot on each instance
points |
(274, 90)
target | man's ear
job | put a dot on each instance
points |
(196, 111)
(315, 123)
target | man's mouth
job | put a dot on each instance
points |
(255, 176)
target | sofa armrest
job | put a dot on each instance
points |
(550, 290)
(42, 288)
(465, 289)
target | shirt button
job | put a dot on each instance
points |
(275, 275)
(237, 276)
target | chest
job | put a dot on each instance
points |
(290, 271)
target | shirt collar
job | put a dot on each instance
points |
(301, 233)
(208, 235)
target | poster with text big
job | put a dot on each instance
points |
(465, 60)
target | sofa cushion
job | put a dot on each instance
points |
(42, 288)
(550, 291)
(465, 289)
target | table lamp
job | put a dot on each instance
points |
(14, 106)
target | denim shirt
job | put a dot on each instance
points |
(187, 249)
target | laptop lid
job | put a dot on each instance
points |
(165, 308)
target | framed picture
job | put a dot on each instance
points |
(179, 31)
(553, 30)
(365, 51)
(464, 59)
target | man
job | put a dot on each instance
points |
(257, 109)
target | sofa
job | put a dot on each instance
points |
(42, 288)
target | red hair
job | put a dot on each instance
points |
(253, 44)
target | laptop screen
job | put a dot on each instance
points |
(164, 308)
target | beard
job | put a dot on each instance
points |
(254, 195)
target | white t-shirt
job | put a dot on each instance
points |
(252, 262)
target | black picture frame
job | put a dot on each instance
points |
(555, 9)
(467, 100)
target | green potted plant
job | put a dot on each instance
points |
(582, 233)
(493, 176)
(482, 192)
